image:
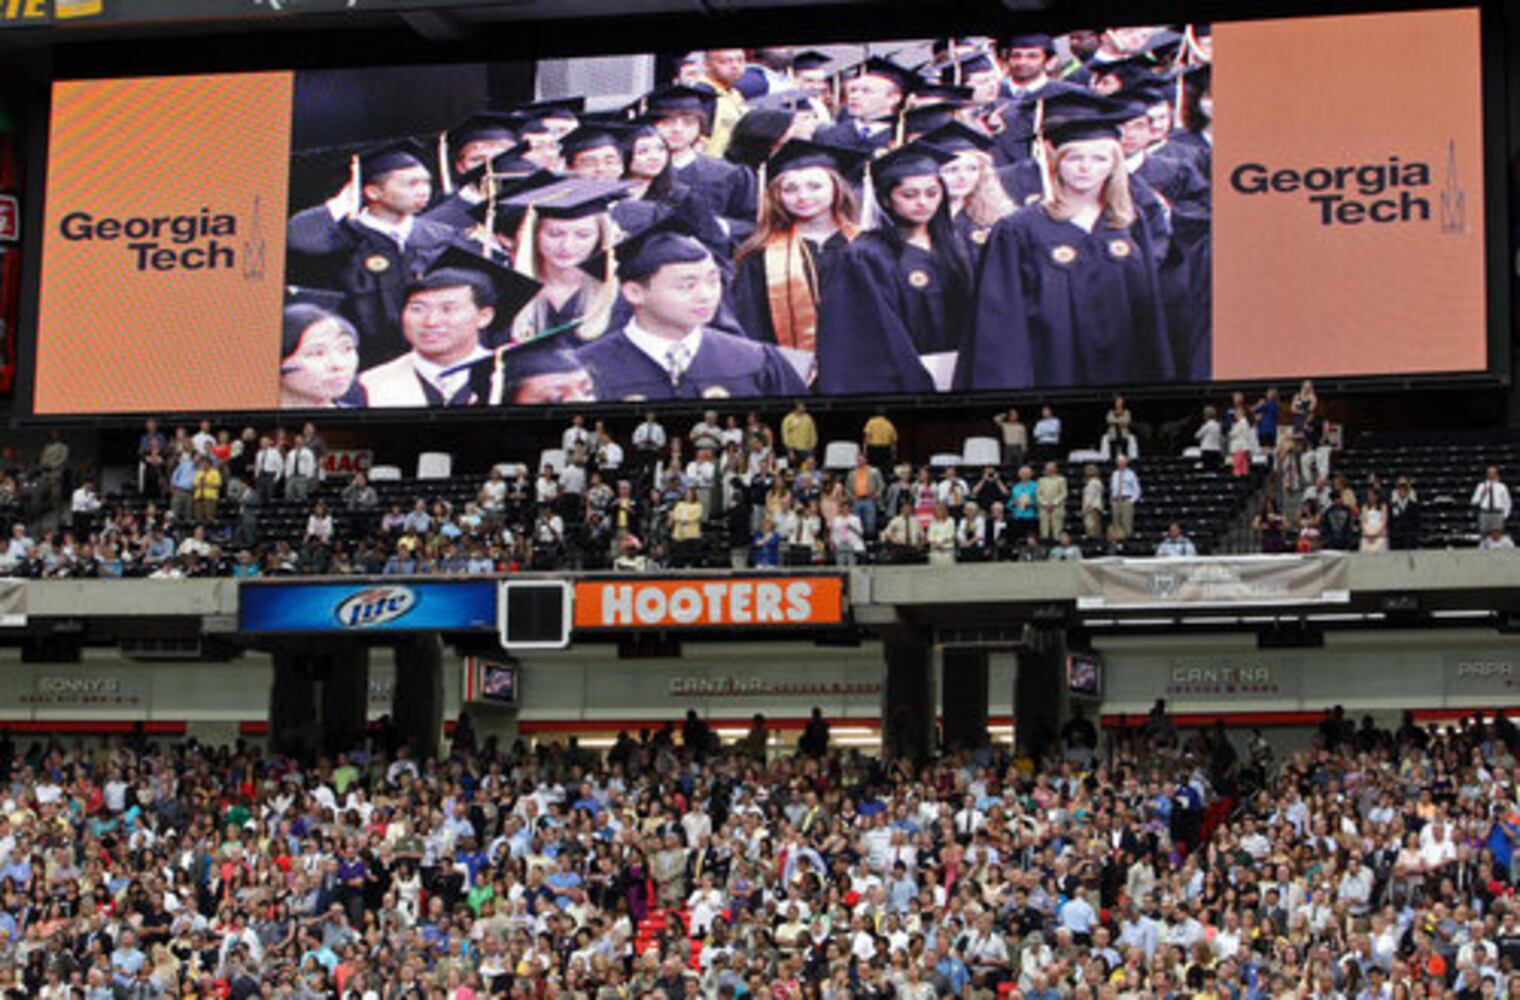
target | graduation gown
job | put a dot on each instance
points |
(722, 185)
(1185, 276)
(1022, 182)
(972, 236)
(1202, 150)
(880, 312)
(454, 212)
(725, 366)
(751, 290)
(1059, 307)
(847, 135)
(369, 267)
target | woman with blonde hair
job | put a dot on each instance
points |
(1068, 292)
(978, 200)
(565, 227)
(807, 216)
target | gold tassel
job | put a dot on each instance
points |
(901, 131)
(445, 174)
(522, 247)
(760, 187)
(868, 201)
(1039, 124)
(594, 322)
(1177, 106)
(1042, 156)
(498, 379)
(355, 181)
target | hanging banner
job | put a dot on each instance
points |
(12, 603)
(1244, 581)
(710, 602)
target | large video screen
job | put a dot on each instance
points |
(1145, 205)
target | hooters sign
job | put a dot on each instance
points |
(770, 601)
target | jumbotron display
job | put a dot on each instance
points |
(1023, 212)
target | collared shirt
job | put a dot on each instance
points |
(659, 348)
(649, 436)
(447, 379)
(1124, 485)
(300, 463)
(398, 231)
(1048, 431)
(1182, 545)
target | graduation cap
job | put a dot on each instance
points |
(680, 99)
(1082, 128)
(501, 288)
(943, 93)
(541, 356)
(594, 136)
(1163, 44)
(1141, 97)
(483, 126)
(976, 62)
(916, 159)
(670, 238)
(954, 137)
(563, 107)
(305, 307)
(799, 154)
(1130, 69)
(509, 217)
(507, 163)
(785, 100)
(906, 80)
(917, 121)
(1199, 78)
(1026, 40)
(570, 198)
(403, 154)
(810, 59)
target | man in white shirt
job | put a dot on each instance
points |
(268, 468)
(1176, 545)
(609, 454)
(1492, 500)
(300, 469)
(1123, 494)
(649, 439)
(706, 433)
(847, 537)
(575, 434)
(1047, 435)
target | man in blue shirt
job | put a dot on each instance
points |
(565, 883)
(126, 959)
(950, 972)
(1078, 916)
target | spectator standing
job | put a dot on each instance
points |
(799, 434)
(1047, 436)
(1268, 412)
(1242, 440)
(268, 469)
(686, 529)
(1403, 516)
(83, 505)
(153, 468)
(1092, 502)
(1123, 494)
(206, 490)
(182, 486)
(865, 490)
(971, 535)
(903, 538)
(53, 464)
(1024, 502)
(575, 434)
(1015, 438)
(706, 433)
(990, 490)
(300, 469)
(1337, 525)
(1176, 544)
(1118, 433)
(1374, 519)
(649, 441)
(1210, 439)
(1491, 499)
(609, 454)
(1051, 493)
(879, 440)
(766, 550)
(203, 438)
(319, 525)
(847, 537)
(940, 536)
(1270, 525)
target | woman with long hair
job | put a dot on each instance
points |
(807, 218)
(895, 316)
(978, 200)
(319, 357)
(1068, 291)
(565, 225)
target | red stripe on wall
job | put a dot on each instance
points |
(1194, 720)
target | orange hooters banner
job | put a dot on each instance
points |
(1348, 196)
(164, 244)
(707, 603)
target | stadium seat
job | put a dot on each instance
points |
(1193, 452)
(1084, 455)
(435, 465)
(944, 460)
(385, 474)
(981, 451)
(511, 470)
(552, 457)
(840, 454)
(1132, 450)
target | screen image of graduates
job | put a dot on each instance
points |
(962, 214)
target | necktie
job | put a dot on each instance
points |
(676, 361)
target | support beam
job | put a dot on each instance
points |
(417, 699)
(964, 697)
(345, 697)
(294, 728)
(908, 698)
(1039, 691)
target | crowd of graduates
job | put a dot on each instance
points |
(1374, 864)
(1016, 212)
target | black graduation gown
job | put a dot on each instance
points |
(1202, 150)
(1022, 182)
(723, 186)
(845, 135)
(881, 311)
(1176, 180)
(369, 267)
(1060, 307)
(1185, 275)
(1017, 115)
(751, 291)
(725, 366)
(973, 238)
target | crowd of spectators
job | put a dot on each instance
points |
(1373, 865)
(726, 491)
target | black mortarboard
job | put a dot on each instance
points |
(593, 136)
(810, 59)
(1026, 40)
(954, 137)
(943, 93)
(907, 80)
(1200, 77)
(564, 107)
(1078, 103)
(975, 62)
(1162, 43)
(508, 163)
(510, 216)
(499, 287)
(1081, 128)
(798, 154)
(305, 307)
(540, 356)
(1139, 99)
(680, 99)
(784, 100)
(483, 126)
(913, 160)
(917, 121)
(1130, 70)
(670, 238)
(570, 198)
(381, 160)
